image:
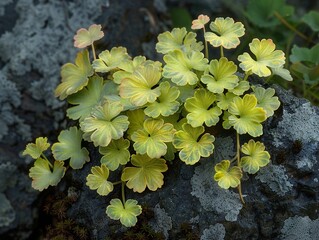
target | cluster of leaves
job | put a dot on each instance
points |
(297, 35)
(140, 113)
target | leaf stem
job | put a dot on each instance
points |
(206, 47)
(50, 164)
(93, 51)
(115, 183)
(247, 74)
(238, 163)
(123, 192)
(221, 51)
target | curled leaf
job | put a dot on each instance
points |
(36, 149)
(257, 156)
(43, 174)
(86, 37)
(97, 180)
(227, 177)
(74, 77)
(200, 22)
(178, 39)
(109, 60)
(266, 99)
(140, 88)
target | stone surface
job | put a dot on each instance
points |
(281, 200)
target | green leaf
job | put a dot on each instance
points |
(312, 20)
(266, 57)
(115, 153)
(152, 138)
(166, 103)
(86, 99)
(84, 37)
(200, 22)
(97, 180)
(44, 175)
(202, 109)
(105, 124)
(222, 76)
(225, 32)
(306, 55)
(178, 39)
(136, 119)
(180, 67)
(140, 88)
(223, 100)
(257, 156)
(242, 87)
(36, 149)
(127, 214)
(266, 99)
(283, 73)
(110, 60)
(192, 144)
(227, 177)
(69, 146)
(180, 17)
(147, 172)
(245, 116)
(74, 77)
(262, 13)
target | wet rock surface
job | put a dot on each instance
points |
(281, 200)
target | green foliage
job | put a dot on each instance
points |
(36, 149)
(147, 172)
(192, 144)
(225, 33)
(86, 37)
(97, 180)
(115, 154)
(140, 114)
(227, 176)
(43, 174)
(74, 77)
(69, 147)
(127, 213)
(295, 32)
(257, 156)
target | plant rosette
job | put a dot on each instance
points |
(140, 113)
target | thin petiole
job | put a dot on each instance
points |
(238, 163)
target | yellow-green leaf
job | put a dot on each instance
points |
(127, 213)
(43, 174)
(36, 149)
(97, 180)
(86, 37)
(69, 146)
(227, 177)
(74, 77)
(257, 156)
(225, 33)
(147, 172)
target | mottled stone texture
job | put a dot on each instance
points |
(281, 199)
